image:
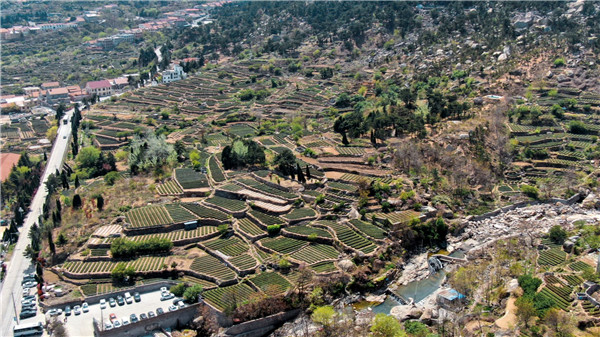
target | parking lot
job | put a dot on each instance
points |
(81, 325)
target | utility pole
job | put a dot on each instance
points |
(12, 295)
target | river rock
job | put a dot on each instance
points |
(406, 312)
(375, 298)
(427, 317)
(512, 286)
(591, 201)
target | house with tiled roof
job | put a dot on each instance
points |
(100, 88)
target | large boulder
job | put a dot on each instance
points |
(591, 201)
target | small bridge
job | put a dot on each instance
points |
(446, 258)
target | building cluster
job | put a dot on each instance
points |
(19, 32)
(53, 94)
(111, 42)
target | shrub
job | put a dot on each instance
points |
(530, 191)
(558, 234)
(122, 247)
(77, 203)
(178, 289)
(273, 229)
(192, 293)
(284, 263)
(559, 62)
(577, 127)
(223, 228)
(320, 199)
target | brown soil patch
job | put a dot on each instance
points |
(333, 175)
(509, 319)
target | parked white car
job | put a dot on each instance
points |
(128, 298)
(102, 304)
(85, 307)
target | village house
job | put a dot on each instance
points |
(50, 85)
(56, 96)
(174, 73)
(100, 88)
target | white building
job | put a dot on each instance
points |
(175, 73)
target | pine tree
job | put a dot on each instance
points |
(308, 176)
(300, 174)
(76, 181)
(77, 201)
(100, 202)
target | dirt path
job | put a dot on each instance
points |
(509, 319)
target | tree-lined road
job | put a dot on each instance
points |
(19, 264)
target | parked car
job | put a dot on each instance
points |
(77, 310)
(29, 284)
(26, 302)
(112, 317)
(151, 314)
(172, 307)
(85, 307)
(30, 305)
(133, 318)
(28, 297)
(107, 326)
(143, 316)
(112, 302)
(164, 290)
(136, 297)
(180, 304)
(125, 321)
(120, 300)
(166, 296)
(128, 298)
(68, 310)
(116, 323)
(102, 304)
(27, 313)
(160, 311)
(54, 312)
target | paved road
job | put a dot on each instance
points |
(19, 264)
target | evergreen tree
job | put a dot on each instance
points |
(100, 202)
(300, 174)
(308, 176)
(76, 181)
(77, 201)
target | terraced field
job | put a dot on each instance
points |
(266, 218)
(324, 267)
(247, 226)
(271, 282)
(205, 212)
(267, 189)
(211, 266)
(350, 238)
(190, 179)
(551, 257)
(179, 214)
(244, 261)
(229, 204)
(178, 235)
(142, 264)
(215, 170)
(300, 213)
(231, 246)
(315, 253)
(368, 229)
(283, 245)
(308, 230)
(227, 297)
(169, 188)
(148, 216)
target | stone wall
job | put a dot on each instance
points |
(260, 327)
